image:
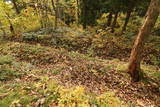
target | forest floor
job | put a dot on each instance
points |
(36, 75)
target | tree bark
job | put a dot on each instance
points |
(15, 6)
(109, 19)
(136, 57)
(114, 22)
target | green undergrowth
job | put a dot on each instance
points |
(48, 93)
(24, 85)
(9, 68)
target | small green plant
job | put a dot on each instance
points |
(55, 72)
(15, 95)
(157, 75)
(29, 36)
(74, 97)
(108, 99)
(155, 60)
(121, 67)
(9, 74)
(5, 60)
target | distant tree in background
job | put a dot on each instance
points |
(89, 12)
(15, 6)
(130, 7)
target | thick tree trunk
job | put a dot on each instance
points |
(15, 6)
(109, 19)
(114, 22)
(135, 57)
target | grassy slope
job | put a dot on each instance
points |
(32, 74)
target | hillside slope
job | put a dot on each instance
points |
(36, 75)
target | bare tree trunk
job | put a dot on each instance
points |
(114, 22)
(56, 14)
(12, 30)
(15, 6)
(84, 13)
(46, 18)
(11, 27)
(38, 12)
(128, 15)
(109, 19)
(135, 57)
(55, 9)
(77, 11)
(53, 5)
